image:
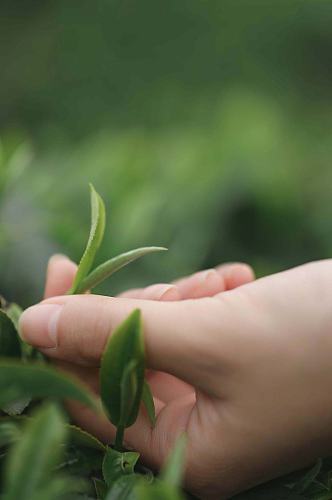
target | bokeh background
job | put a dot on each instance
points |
(205, 124)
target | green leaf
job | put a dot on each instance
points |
(9, 339)
(94, 241)
(148, 402)
(122, 372)
(117, 464)
(100, 487)
(123, 487)
(14, 312)
(79, 437)
(308, 478)
(109, 267)
(33, 457)
(18, 381)
(9, 433)
(172, 471)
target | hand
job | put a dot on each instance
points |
(258, 357)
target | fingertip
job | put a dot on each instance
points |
(60, 275)
(236, 274)
(162, 292)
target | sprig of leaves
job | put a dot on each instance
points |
(86, 280)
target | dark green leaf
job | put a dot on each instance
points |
(9, 339)
(172, 471)
(33, 457)
(309, 477)
(94, 241)
(81, 461)
(109, 267)
(270, 491)
(117, 464)
(148, 402)
(18, 380)
(101, 488)
(79, 437)
(9, 433)
(124, 348)
(63, 488)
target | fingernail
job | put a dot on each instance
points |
(58, 256)
(209, 276)
(38, 325)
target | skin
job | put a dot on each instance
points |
(243, 367)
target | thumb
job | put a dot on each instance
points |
(60, 275)
(179, 336)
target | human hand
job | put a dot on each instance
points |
(258, 358)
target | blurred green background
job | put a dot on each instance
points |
(206, 126)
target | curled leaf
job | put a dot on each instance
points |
(117, 464)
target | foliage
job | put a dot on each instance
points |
(42, 455)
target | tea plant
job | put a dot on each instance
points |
(43, 456)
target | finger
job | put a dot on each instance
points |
(178, 335)
(202, 284)
(236, 274)
(160, 291)
(213, 281)
(167, 387)
(60, 275)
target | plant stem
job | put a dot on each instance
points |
(118, 445)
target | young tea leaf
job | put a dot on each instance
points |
(19, 381)
(148, 402)
(9, 339)
(33, 457)
(172, 471)
(117, 464)
(94, 241)
(122, 372)
(113, 265)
